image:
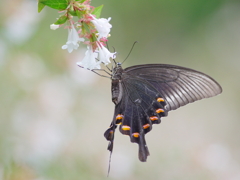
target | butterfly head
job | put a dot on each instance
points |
(119, 64)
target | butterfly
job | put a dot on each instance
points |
(143, 94)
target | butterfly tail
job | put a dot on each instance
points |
(143, 149)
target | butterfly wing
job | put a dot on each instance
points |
(149, 92)
(178, 85)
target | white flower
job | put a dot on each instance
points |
(105, 55)
(54, 26)
(89, 60)
(102, 25)
(73, 39)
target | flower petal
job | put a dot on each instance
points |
(102, 25)
(54, 26)
(89, 60)
(105, 55)
(73, 39)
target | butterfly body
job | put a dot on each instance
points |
(117, 85)
(143, 94)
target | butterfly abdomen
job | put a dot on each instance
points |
(116, 91)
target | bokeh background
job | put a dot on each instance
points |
(53, 114)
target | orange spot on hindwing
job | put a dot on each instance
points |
(153, 118)
(159, 110)
(146, 126)
(126, 128)
(160, 99)
(136, 134)
(119, 117)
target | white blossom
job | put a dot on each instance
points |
(89, 61)
(104, 55)
(102, 25)
(54, 26)
(73, 39)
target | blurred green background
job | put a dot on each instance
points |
(53, 114)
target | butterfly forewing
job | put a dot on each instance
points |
(145, 93)
(178, 85)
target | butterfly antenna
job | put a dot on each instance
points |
(129, 52)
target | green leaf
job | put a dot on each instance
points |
(97, 11)
(81, 1)
(40, 6)
(55, 4)
(61, 20)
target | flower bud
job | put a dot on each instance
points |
(54, 26)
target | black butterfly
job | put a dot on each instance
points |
(143, 94)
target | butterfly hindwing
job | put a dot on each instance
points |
(139, 108)
(132, 126)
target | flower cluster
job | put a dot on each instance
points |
(89, 30)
